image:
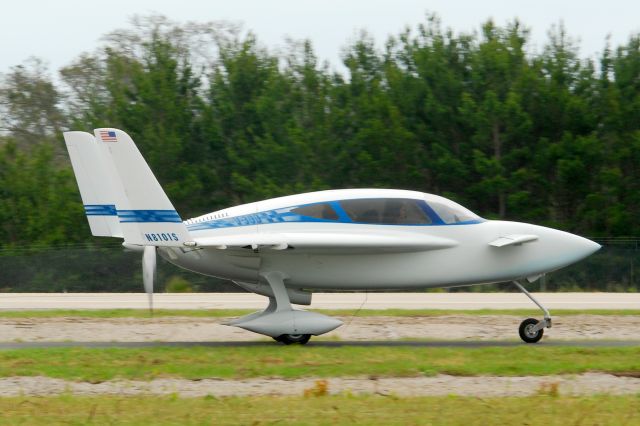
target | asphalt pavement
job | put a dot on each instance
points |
(36, 301)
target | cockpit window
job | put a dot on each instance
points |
(451, 212)
(389, 211)
(317, 211)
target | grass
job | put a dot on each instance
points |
(324, 410)
(96, 365)
(219, 313)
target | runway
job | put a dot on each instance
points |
(36, 301)
(451, 330)
(322, 344)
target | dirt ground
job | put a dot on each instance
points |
(189, 329)
(584, 384)
(449, 327)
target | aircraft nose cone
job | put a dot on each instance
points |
(560, 248)
(581, 247)
(593, 246)
(552, 250)
(587, 246)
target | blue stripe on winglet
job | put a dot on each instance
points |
(100, 210)
(126, 216)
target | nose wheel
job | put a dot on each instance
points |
(531, 330)
(528, 331)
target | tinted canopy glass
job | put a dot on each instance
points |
(387, 211)
(451, 212)
(317, 211)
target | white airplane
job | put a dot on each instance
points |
(286, 248)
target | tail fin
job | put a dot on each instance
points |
(146, 215)
(97, 188)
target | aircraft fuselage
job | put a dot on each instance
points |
(465, 258)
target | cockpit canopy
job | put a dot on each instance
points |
(451, 213)
(390, 211)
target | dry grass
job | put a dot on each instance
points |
(321, 410)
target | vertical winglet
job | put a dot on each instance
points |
(96, 186)
(146, 215)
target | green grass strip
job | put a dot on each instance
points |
(323, 410)
(95, 365)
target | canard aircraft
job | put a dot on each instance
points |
(288, 247)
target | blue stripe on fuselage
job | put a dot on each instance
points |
(262, 218)
(285, 215)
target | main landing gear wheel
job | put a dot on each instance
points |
(528, 331)
(289, 339)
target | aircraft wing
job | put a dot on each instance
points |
(389, 242)
(514, 239)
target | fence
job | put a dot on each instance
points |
(79, 268)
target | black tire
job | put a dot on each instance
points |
(527, 334)
(289, 339)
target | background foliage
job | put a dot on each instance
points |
(545, 137)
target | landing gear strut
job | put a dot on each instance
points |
(280, 321)
(531, 330)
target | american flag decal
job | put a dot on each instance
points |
(108, 136)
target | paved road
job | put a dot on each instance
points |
(325, 344)
(22, 301)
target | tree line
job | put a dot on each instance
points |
(542, 136)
